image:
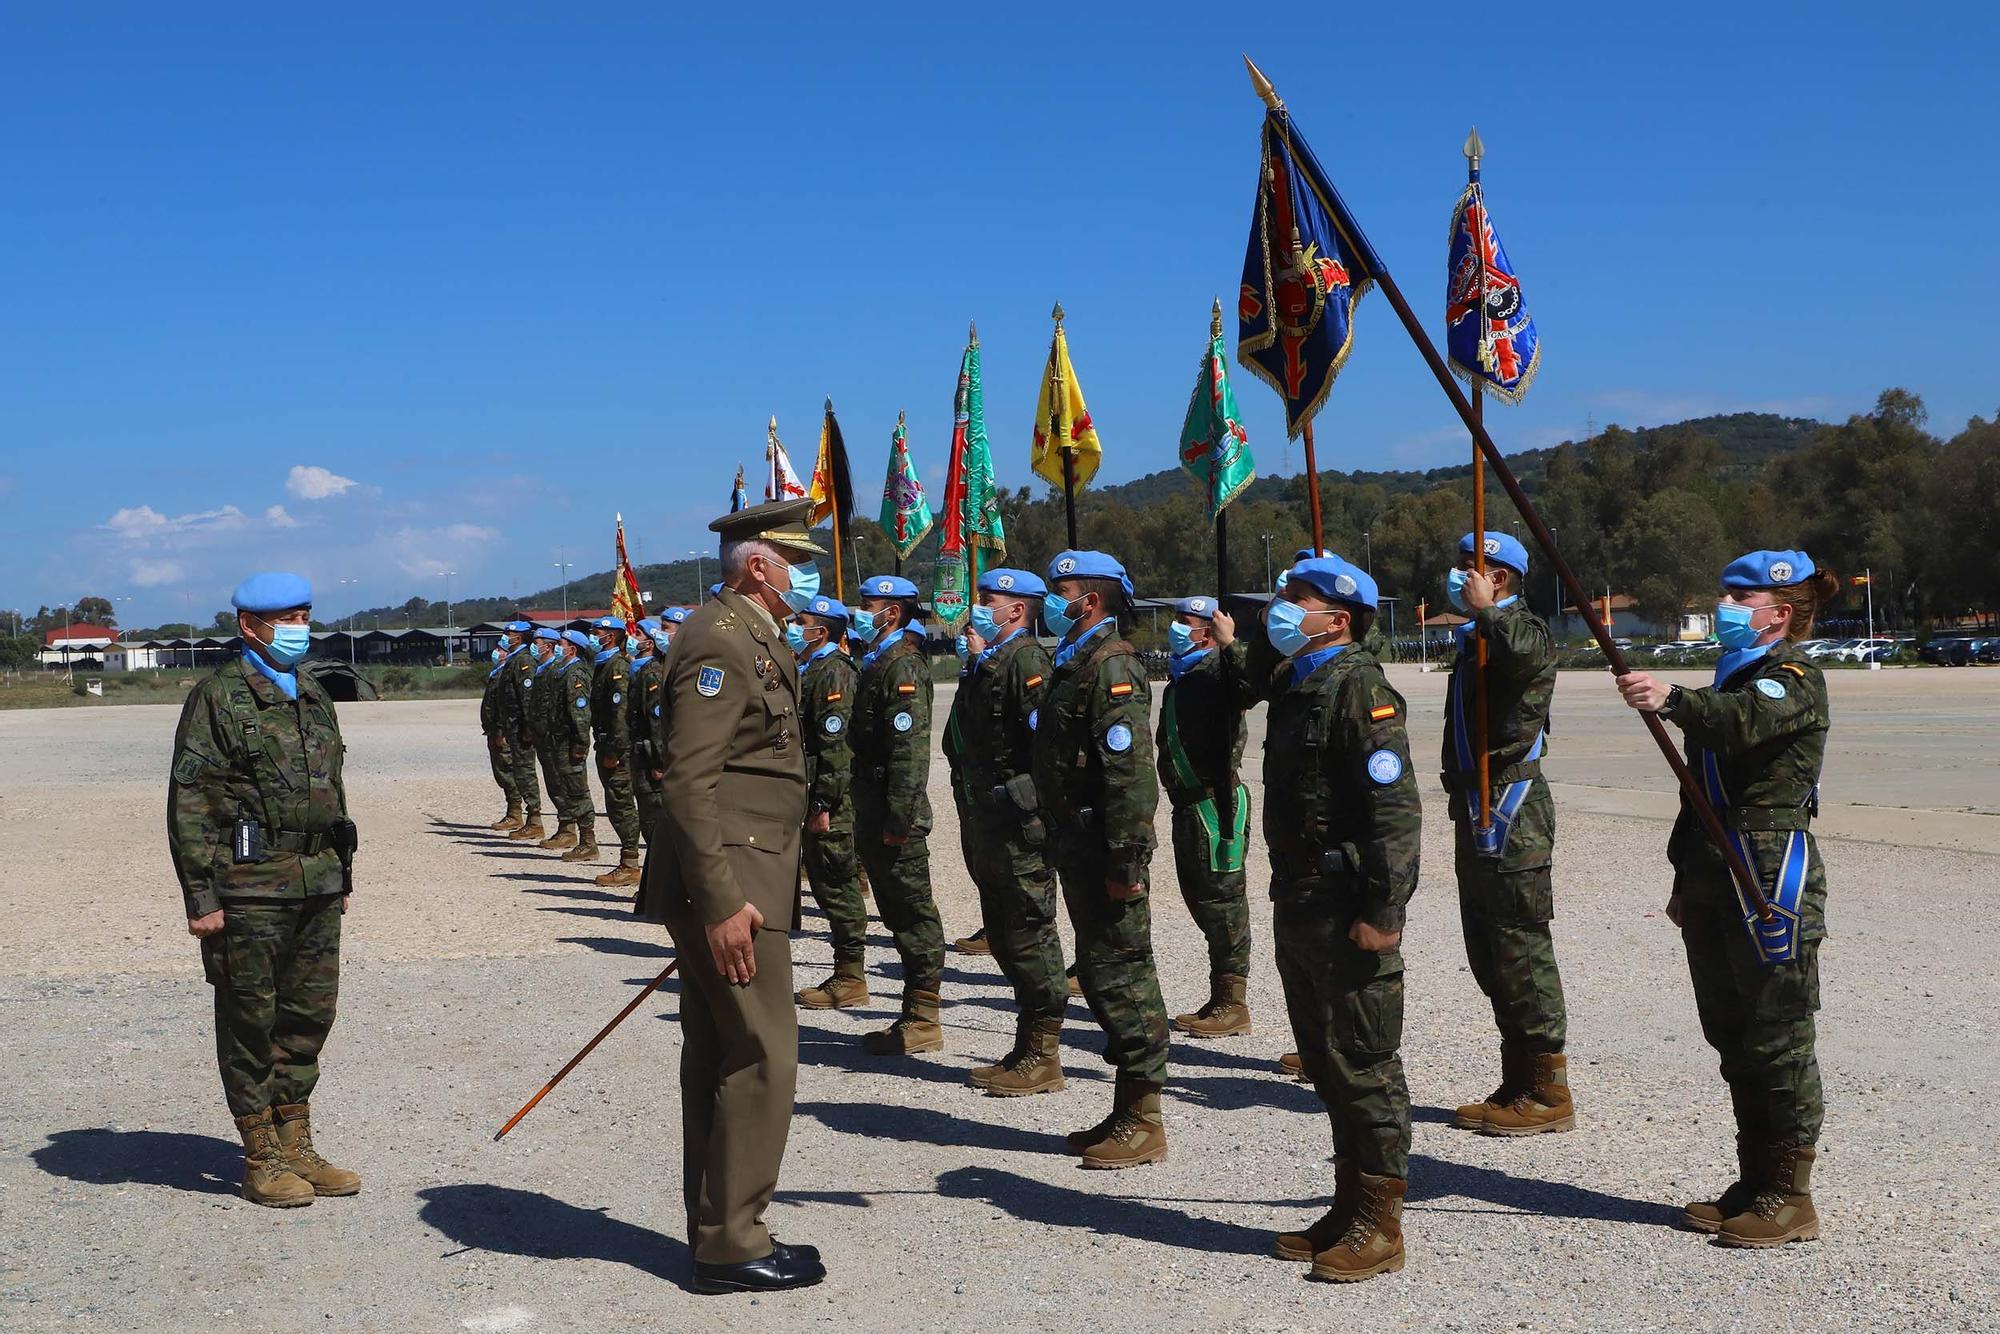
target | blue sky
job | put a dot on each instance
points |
(415, 288)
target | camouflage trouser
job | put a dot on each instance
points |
(569, 789)
(1218, 900)
(1114, 962)
(620, 807)
(1017, 902)
(275, 967)
(902, 879)
(836, 887)
(522, 754)
(1758, 1018)
(646, 798)
(1506, 916)
(503, 771)
(1346, 1008)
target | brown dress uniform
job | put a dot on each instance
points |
(733, 805)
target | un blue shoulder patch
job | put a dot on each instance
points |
(1118, 738)
(1770, 687)
(1385, 767)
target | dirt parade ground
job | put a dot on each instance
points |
(473, 968)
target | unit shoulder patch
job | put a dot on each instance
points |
(1118, 737)
(902, 722)
(1385, 767)
(1770, 687)
(708, 681)
(188, 767)
(832, 724)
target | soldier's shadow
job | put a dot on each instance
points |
(529, 1223)
(1434, 1180)
(1110, 1215)
(924, 1125)
(636, 949)
(102, 1156)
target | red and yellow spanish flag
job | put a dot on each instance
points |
(626, 604)
(1061, 420)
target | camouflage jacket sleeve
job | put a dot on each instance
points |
(1518, 643)
(515, 717)
(831, 707)
(573, 701)
(1250, 666)
(489, 704)
(1372, 747)
(204, 798)
(906, 747)
(1028, 673)
(1730, 720)
(1121, 705)
(614, 727)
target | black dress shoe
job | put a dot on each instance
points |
(783, 1268)
(799, 1252)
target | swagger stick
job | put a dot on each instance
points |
(588, 1047)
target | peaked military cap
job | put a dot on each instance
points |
(1767, 569)
(783, 523)
(1014, 583)
(1338, 579)
(1502, 547)
(1089, 565)
(273, 591)
(891, 586)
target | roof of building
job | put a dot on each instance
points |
(79, 630)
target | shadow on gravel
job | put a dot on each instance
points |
(525, 1222)
(612, 914)
(846, 1053)
(1434, 1179)
(601, 895)
(1112, 1215)
(637, 949)
(1235, 1093)
(922, 1125)
(105, 1157)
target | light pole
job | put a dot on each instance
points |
(446, 576)
(1367, 553)
(563, 565)
(350, 624)
(699, 587)
(1267, 558)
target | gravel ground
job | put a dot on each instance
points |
(474, 968)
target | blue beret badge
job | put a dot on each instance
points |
(708, 682)
(903, 722)
(1770, 687)
(1118, 738)
(1385, 767)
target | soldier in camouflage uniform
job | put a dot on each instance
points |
(989, 741)
(569, 718)
(1756, 740)
(890, 733)
(1093, 768)
(496, 745)
(1342, 820)
(258, 829)
(1506, 894)
(1201, 737)
(544, 695)
(611, 735)
(644, 703)
(517, 726)
(828, 687)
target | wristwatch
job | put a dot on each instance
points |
(1674, 696)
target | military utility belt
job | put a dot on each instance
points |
(1016, 795)
(1296, 875)
(1079, 823)
(251, 842)
(306, 845)
(1468, 783)
(1766, 819)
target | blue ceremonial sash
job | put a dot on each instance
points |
(1775, 941)
(1491, 841)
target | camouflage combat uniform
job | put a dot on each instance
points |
(1505, 902)
(244, 751)
(989, 742)
(1093, 768)
(645, 725)
(497, 754)
(517, 725)
(1201, 737)
(828, 686)
(544, 697)
(570, 715)
(890, 733)
(1342, 820)
(611, 734)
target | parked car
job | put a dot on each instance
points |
(1829, 647)
(1858, 649)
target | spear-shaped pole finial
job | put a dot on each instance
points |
(972, 331)
(773, 428)
(1057, 313)
(1475, 149)
(1215, 319)
(899, 417)
(1263, 86)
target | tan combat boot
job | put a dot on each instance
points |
(1543, 1107)
(512, 820)
(847, 988)
(1783, 1210)
(1373, 1241)
(1137, 1133)
(1514, 1078)
(1225, 1015)
(1038, 1069)
(982, 1075)
(916, 1031)
(1078, 1141)
(1075, 984)
(973, 944)
(1709, 1215)
(627, 872)
(530, 831)
(586, 843)
(564, 837)
(266, 1178)
(1290, 1064)
(1328, 1228)
(295, 1145)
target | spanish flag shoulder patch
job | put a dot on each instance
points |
(832, 695)
(1793, 668)
(1034, 681)
(1121, 690)
(1381, 712)
(907, 688)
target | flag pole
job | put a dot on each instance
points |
(839, 580)
(1055, 426)
(1215, 486)
(1474, 150)
(1697, 799)
(971, 547)
(901, 425)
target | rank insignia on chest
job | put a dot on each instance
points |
(1382, 713)
(784, 739)
(708, 681)
(763, 666)
(1121, 690)
(907, 688)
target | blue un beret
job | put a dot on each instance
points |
(543, 632)
(1768, 569)
(714, 590)
(891, 586)
(519, 627)
(1500, 547)
(275, 591)
(608, 623)
(1338, 580)
(1089, 565)
(677, 615)
(1013, 583)
(649, 624)
(1196, 606)
(580, 639)
(828, 608)
(1306, 553)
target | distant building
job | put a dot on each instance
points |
(77, 645)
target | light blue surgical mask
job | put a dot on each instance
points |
(631, 646)
(288, 643)
(535, 649)
(861, 625)
(1734, 625)
(964, 650)
(1055, 615)
(499, 653)
(805, 586)
(795, 637)
(1285, 623)
(1454, 588)
(983, 624)
(1180, 639)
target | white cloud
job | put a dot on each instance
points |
(142, 522)
(157, 573)
(278, 518)
(312, 482)
(422, 552)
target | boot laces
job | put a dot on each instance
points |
(1362, 1226)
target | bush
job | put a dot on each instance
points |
(396, 680)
